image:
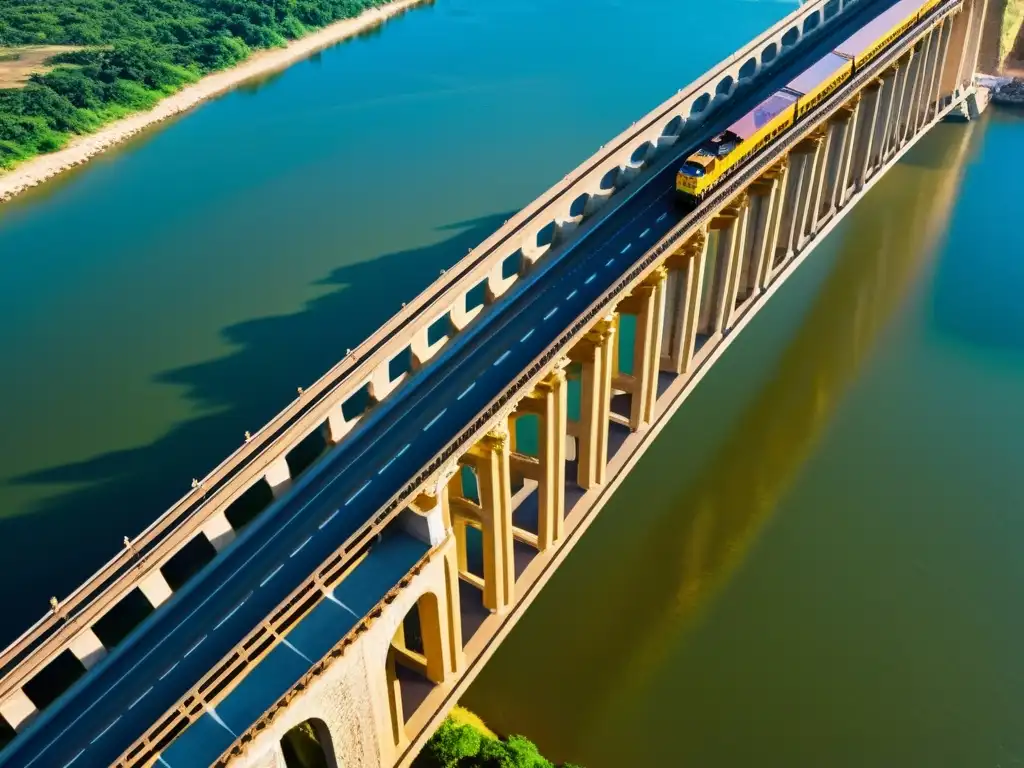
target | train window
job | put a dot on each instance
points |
(691, 168)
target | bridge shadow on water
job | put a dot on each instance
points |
(120, 492)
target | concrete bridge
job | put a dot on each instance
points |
(405, 509)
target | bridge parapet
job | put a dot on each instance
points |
(745, 241)
(420, 331)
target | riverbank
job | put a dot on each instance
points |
(83, 148)
(464, 741)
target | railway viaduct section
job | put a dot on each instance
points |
(499, 509)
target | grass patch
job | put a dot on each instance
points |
(1011, 27)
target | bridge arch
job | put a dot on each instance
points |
(792, 37)
(749, 69)
(700, 104)
(725, 86)
(415, 662)
(769, 54)
(309, 745)
(812, 22)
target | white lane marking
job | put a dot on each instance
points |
(662, 217)
(169, 670)
(234, 610)
(319, 527)
(529, 333)
(198, 643)
(550, 314)
(293, 554)
(217, 719)
(132, 705)
(333, 599)
(589, 279)
(433, 421)
(165, 638)
(283, 527)
(162, 761)
(285, 641)
(353, 496)
(501, 359)
(404, 449)
(630, 245)
(273, 573)
(466, 391)
(644, 233)
(69, 762)
(101, 733)
(609, 262)
(569, 297)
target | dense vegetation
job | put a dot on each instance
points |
(140, 51)
(461, 745)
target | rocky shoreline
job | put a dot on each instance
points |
(1010, 92)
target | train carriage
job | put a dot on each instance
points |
(711, 163)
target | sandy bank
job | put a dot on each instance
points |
(81, 148)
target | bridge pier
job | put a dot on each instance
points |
(489, 458)
(218, 530)
(684, 289)
(549, 402)
(18, 710)
(595, 355)
(87, 648)
(647, 304)
(155, 588)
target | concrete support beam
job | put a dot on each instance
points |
(909, 127)
(907, 75)
(336, 427)
(549, 402)
(838, 180)
(809, 205)
(940, 70)
(594, 354)
(155, 588)
(278, 477)
(880, 142)
(949, 79)
(738, 252)
(87, 648)
(647, 303)
(684, 287)
(18, 710)
(864, 135)
(428, 518)
(490, 460)
(218, 530)
(797, 191)
(770, 244)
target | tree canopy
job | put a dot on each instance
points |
(139, 51)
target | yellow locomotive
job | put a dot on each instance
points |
(702, 171)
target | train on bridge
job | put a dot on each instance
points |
(720, 156)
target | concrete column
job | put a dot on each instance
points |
(18, 710)
(758, 199)
(840, 182)
(737, 253)
(218, 530)
(909, 72)
(770, 242)
(880, 141)
(802, 160)
(278, 477)
(549, 402)
(593, 355)
(428, 518)
(924, 98)
(831, 152)
(647, 302)
(864, 135)
(155, 588)
(812, 194)
(686, 275)
(87, 648)
(941, 64)
(490, 458)
(949, 79)
(336, 427)
(910, 108)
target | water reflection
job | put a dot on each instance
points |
(626, 614)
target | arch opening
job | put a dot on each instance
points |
(309, 745)
(724, 87)
(749, 68)
(812, 22)
(700, 104)
(415, 662)
(791, 38)
(769, 54)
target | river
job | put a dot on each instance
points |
(814, 564)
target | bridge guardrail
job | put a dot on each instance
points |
(305, 597)
(150, 549)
